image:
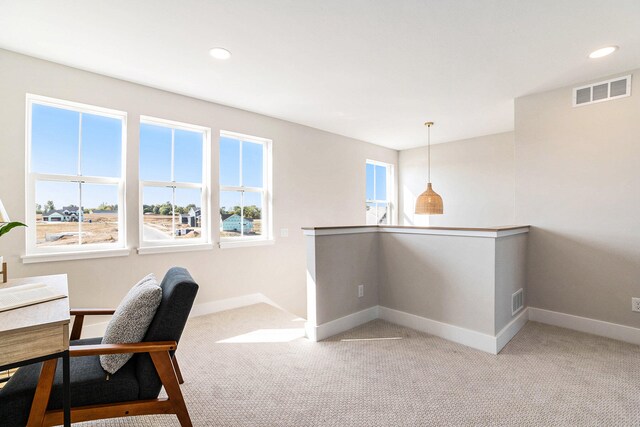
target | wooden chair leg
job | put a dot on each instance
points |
(167, 374)
(76, 331)
(177, 368)
(43, 391)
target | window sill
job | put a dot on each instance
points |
(229, 244)
(77, 255)
(148, 250)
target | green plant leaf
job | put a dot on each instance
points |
(10, 226)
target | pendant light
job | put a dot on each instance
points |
(429, 202)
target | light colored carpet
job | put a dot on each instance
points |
(546, 376)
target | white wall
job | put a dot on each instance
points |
(475, 178)
(578, 184)
(573, 174)
(319, 179)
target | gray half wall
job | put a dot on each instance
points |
(447, 282)
(342, 263)
(511, 257)
(449, 279)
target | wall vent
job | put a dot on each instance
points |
(517, 302)
(602, 91)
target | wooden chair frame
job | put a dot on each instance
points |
(159, 352)
(78, 321)
(166, 367)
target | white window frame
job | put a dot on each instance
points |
(389, 190)
(266, 217)
(80, 251)
(179, 245)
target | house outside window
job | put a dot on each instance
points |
(75, 179)
(245, 190)
(379, 193)
(174, 185)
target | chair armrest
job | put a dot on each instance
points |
(138, 347)
(79, 314)
(92, 311)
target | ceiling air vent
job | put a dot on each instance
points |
(602, 91)
(517, 301)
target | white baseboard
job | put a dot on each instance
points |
(449, 332)
(334, 327)
(453, 333)
(97, 329)
(585, 324)
(474, 339)
(510, 331)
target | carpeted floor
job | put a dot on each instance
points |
(250, 367)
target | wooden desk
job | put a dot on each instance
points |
(38, 332)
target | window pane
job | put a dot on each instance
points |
(377, 213)
(252, 164)
(252, 213)
(230, 202)
(188, 156)
(101, 146)
(57, 224)
(54, 140)
(100, 213)
(188, 213)
(157, 213)
(381, 183)
(370, 190)
(229, 161)
(383, 213)
(371, 218)
(155, 153)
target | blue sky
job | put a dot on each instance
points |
(230, 171)
(155, 154)
(55, 135)
(55, 141)
(155, 163)
(380, 191)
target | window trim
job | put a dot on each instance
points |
(266, 189)
(55, 253)
(179, 245)
(390, 200)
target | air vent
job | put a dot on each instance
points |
(602, 91)
(516, 302)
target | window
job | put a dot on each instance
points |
(75, 177)
(379, 192)
(174, 177)
(245, 194)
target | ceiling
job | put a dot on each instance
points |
(374, 70)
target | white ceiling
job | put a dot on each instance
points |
(369, 69)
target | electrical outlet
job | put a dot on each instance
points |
(284, 232)
(360, 291)
(635, 304)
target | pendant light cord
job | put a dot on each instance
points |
(429, 152)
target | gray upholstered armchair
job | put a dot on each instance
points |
(34, 394)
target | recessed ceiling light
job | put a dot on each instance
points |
(603, 52)
(220, 53)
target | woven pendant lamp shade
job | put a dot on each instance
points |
(429, 202)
